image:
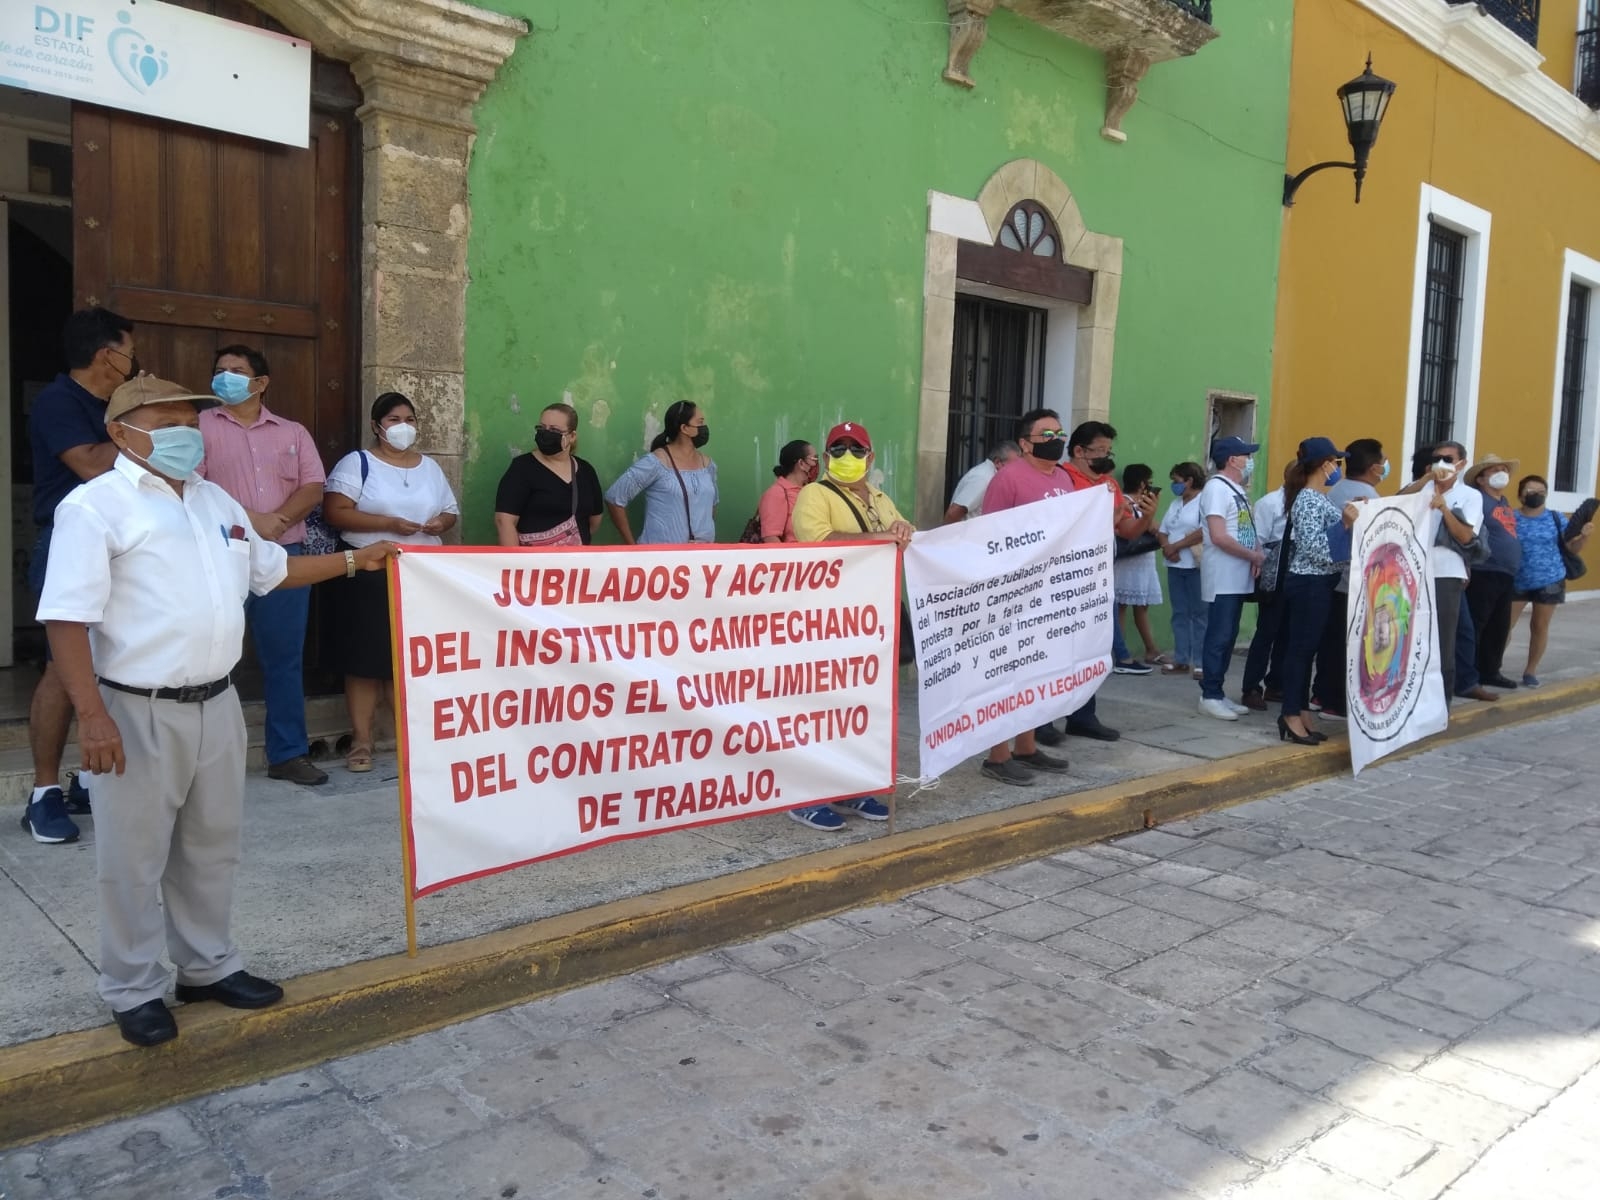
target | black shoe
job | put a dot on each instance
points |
(1254, 700)
(1049, 735)
(239, 990)
(1091, 728)
(1008, 771)
(1500, 681)
(78, 797)
(148, 1025)
(298, 770)
(1040, 761)
(1285, 734)
(1272, 695)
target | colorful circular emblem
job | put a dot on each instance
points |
(1391, 623)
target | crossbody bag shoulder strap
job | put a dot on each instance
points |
(687, 515)
(850, 504)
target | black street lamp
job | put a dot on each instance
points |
(1365, 100)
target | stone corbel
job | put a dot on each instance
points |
(969, 26)
(1125, 68)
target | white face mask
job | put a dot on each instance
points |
(1499, 480)
(402, 437)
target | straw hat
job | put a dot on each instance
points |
(1490, 460)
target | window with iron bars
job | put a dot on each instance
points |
(1519, 16)
(1587, 70)
(1569, 433)
(996, 375)
(1195, 8)
(1441, 335)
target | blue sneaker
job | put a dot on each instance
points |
(46, 819)
(822, 817)
(1530, 681)
(868, 808)
(78, 797)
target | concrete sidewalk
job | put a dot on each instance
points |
(320, 886)
(1382, 989)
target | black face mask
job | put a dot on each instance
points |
(1534, 500)
(702, 436)
(1050, 451)
(548, 441)
(1103, 466)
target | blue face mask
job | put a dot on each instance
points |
(174, 452)
(1385, 474)
(230, 387)
(1335, 477)
(1178, 487)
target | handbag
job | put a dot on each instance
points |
(564, 534)
(752, 528)
(1132, 547)
(322, 538)
(1576, 568)
(1269, 580)
(1472, 553)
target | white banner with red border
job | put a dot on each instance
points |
(1012, 615)
(557, 700)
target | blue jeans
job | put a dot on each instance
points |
(1119, 644)
(1307, 600)
(1222, 630)
(1466, 651)
(1188, 615)
(278, 629)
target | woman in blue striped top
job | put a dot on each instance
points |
(678, 481)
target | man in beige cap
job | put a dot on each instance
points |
(1490, 589)
(144, 605)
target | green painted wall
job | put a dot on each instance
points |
(726, 201)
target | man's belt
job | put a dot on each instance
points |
(197, 693)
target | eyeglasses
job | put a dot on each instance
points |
(1048, 435)
(553, 429)
(842, 448)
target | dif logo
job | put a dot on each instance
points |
(134, 56)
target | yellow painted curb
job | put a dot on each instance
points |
(73, 1080)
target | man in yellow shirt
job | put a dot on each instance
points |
(844, 506)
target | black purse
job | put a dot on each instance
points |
(1576, 568)
(1145, 543)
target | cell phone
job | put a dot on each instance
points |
(1155, 490)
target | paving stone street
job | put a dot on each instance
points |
(1378, 988)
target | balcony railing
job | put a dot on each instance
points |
(1589, 67)
(1195, 8)
(1519, 16)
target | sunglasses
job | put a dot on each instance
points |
(553, 429)
(1049, 435)
(840, 449)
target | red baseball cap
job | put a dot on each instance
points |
(849, 431)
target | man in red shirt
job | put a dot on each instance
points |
(1035, 475)
(1089, 464)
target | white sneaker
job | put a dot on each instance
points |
(1220, 709)
(1239, 709)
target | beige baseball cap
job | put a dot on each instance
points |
(147, 389)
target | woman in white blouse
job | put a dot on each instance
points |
(1180, 536)
(391, 492)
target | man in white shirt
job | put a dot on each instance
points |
(1227, 568)
(144, 606)
(966, 501)
(1459, 508)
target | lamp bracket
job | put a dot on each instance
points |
(1291, 183)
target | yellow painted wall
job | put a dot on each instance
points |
(1558, 39)
(1346, 282)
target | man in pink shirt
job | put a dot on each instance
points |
(1035, 475)
(270, 466)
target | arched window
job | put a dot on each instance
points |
(1028, 228)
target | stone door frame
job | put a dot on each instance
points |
(954, 219)
(421, 66)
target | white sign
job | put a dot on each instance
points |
(159, 59)
(1012, 613)
(1392, 667)
(555, 700)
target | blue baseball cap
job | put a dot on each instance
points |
(1231, 447)
(1313, 449)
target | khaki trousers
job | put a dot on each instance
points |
(167, 837)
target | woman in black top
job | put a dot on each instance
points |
(549, 496)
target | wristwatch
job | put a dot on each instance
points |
(349, 564)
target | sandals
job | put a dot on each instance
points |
(1172, 668)
(1158, 659)
(358, 760)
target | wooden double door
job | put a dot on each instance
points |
(205, 239)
